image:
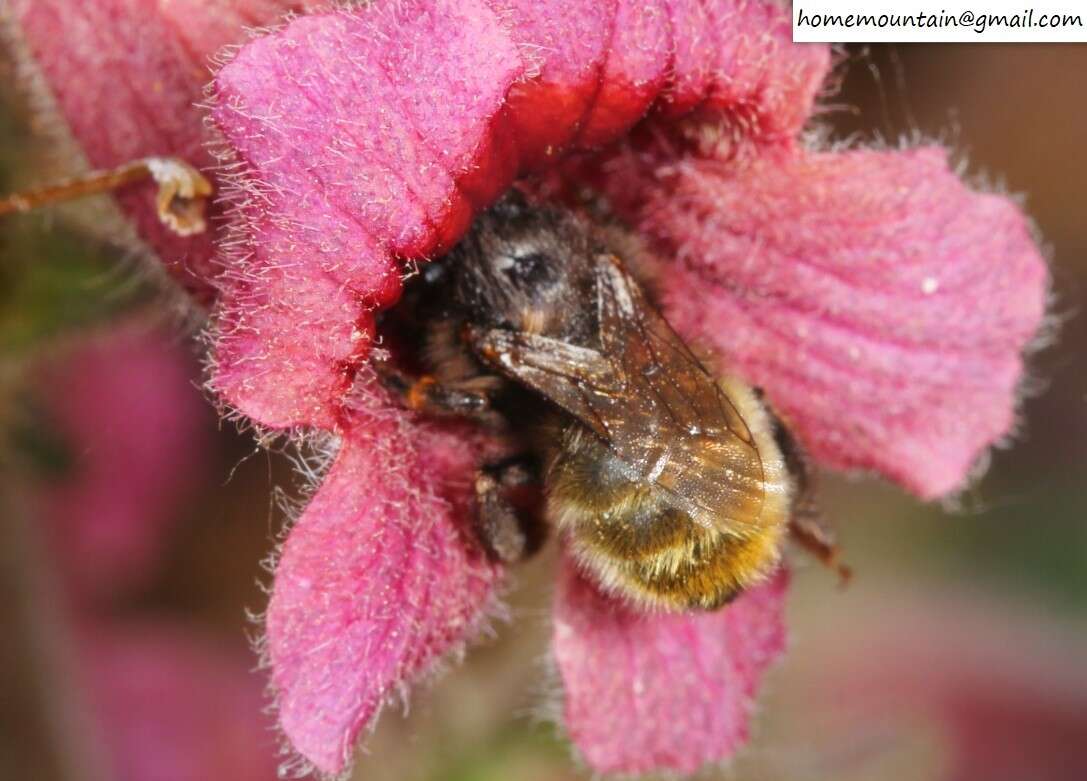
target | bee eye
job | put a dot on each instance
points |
(532, 269)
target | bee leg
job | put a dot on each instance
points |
(503, 530)
(515, 471)
(182, 193)
(427, 394)
(807, 526)
(809, 532)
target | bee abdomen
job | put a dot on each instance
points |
(638, 545)
(701, 568)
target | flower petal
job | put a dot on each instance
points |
(356, 164)
(378, 132)
(603, 64)
(661, 692)
(882, 304)
(125, 76)
(736, 61)
(376, 581)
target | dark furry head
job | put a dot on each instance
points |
(523, 264)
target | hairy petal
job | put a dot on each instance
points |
(882, 304)
(598, 67)
(376, 133)
(666, 692)
(125, 75)
(354, 159)
(376, 581)
(736, 61)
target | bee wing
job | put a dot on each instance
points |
(558, 370)
(649, 398)
(651, 355)
(699, 447)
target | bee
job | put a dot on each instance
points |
(674, 485)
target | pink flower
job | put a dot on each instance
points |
(152, 699)
(123, 76)
(168, 704)
(881, 303)
(132, 426)
(1003, 690)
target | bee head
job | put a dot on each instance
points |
(519, 264)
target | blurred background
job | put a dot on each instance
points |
(134, 525)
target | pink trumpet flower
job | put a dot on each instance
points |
(881, 303)
(122, 404)
(168, 704)
(154, 698)
(1001, 698)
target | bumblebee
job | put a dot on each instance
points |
(673, 486)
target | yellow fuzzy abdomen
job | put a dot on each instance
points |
(640, 546)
